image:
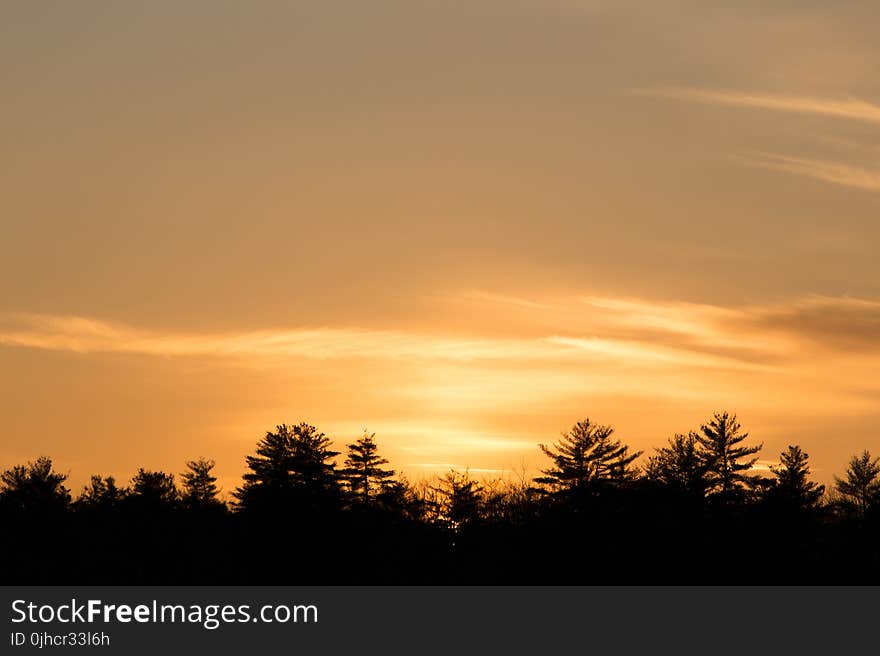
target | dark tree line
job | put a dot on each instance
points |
(697, 511)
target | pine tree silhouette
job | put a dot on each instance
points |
(34, 488)
(861, 487)
(460, 499)
(679, 465)
(587, 454)
(363, 471)
(291, 465)
(156, 488)
(200, 485)
(792, 485)
(719, 441)
(100, 492)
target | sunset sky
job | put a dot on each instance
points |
(462, 226)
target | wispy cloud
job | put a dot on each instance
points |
(840, 323)
(484, 399)
(699, 322)
(828, 171)
(503, 299)
(86, 335)
(636, 352)
(618, 330)
(439, 467)
(833, 172)
(610, 339)
(846, 108)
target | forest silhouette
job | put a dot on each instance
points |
(697, 511)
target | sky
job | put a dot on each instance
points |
(460, 226)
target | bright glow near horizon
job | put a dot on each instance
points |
(461, 228)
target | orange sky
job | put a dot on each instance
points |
(463, 228)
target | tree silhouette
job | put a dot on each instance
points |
(402, 498)
(723, 458)
(363, 471)
(861, 487)
(100, 492)
(200, 485)
(292, 464)
(154, 488)
(460, 499)
(792, 485)
(293, 524)
(679, 465)
(585, 454)
(34, 488)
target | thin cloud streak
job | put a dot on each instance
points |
(635, 352)
(837, 173)
(849, 108)
(86, 335)
(844, 324)
(507, 300)
(622, 331)
(833, 172)
(702, 323)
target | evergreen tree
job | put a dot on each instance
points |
(200, 485)
(292, 464)
(100, 492)
(679, 465)
(861, 487)
(723, 457)
(363, 469)
(587, 454)
(401, 497)
(460, 499)
(153, 488)
(34, 488)
(270, 468)
(792, 485)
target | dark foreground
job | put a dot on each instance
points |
(695, 513)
